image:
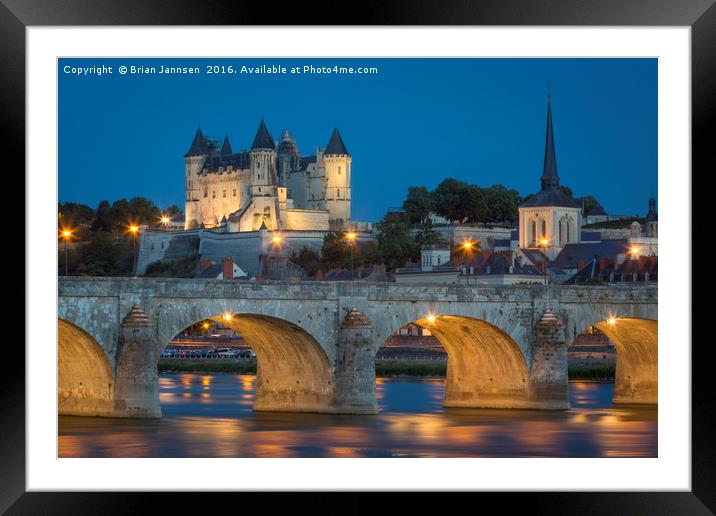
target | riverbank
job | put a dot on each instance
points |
(383, 369)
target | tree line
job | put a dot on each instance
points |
(101, 242)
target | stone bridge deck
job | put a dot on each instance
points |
(504, 343)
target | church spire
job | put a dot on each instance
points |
(550, 179)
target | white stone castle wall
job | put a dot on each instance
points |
(307, 220)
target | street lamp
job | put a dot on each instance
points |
(277, 240)
(134, 232)
(634, 251)
(165, 219)
(544, 243)
(66, 236)
(467, 246)
(350, 238)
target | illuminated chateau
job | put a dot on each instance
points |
(270, 185)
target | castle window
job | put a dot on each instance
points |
(339, 193)
(259, 188)
(213, 194)
(339, 170)
(224, 193)
(206, 192)
(234, 192)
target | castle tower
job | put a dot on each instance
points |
(287, 157)
(549, 219)
(263, 163)
(194, 160)
(337, 163)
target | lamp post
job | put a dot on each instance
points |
(165, 220)
(467, 247)
(350, 238)
(544, 243)
(66, 236)
(134, 233)
(634, 251)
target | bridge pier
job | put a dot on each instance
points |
(136, 386)
(355, 367)
(549, 378)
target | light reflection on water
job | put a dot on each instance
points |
(212, 416)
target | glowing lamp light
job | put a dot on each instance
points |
(227, 316)
(351, 236)
(430, 318)
(134, 229)
(165, 220)
(634, 250)
(277, 239)
(544, 242)
(206, 325)
(612, 321)
(467, 245)
(66, 233)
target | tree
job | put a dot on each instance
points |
(120, 215)
(173, 211)
(336, 253)
(590, 204)
(102, 220)
(144, 211)
(73, 214)
(103, 256)
(501, 204)
(449, 198)
(566, 191)
(417, 204)
(308, 259)
(395, 242)
(474, 203)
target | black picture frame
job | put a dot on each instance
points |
(700, 15)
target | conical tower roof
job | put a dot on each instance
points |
(336, 145)
(199, 146)
(226, 146)
(263, 139)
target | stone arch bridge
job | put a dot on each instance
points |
(316, 341)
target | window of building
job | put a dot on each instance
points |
(206, 192)
(339, 170)
(213, 194)
(339, 193)
(234, 192)
(224, 193)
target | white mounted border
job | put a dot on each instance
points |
(671, 470)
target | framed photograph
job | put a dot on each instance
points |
(415, 253)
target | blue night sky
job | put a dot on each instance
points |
(417, 122)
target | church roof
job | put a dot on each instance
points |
(263, 139)
(226, 147)
(550, 198)
(199, 146)
(570, 256)
(336, 145)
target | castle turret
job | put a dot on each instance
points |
(194, 160)
(263, 163)
(226, 146)
(337, 163)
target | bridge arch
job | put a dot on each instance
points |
(84, 374)
(294, 373)
(636, 342)
(485, 366)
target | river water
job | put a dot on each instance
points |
(210, 415)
